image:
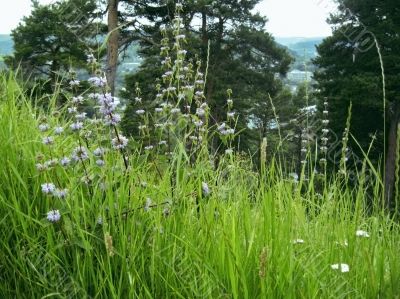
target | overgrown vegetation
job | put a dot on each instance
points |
(182, 230)
(179, 210)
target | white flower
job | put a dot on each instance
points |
(77, 100)
(198, 123)
(79, 153)
(175, 110)
(229, 102)
(188, 87)
(41, 167)
(72, 110)
(171, 89)
(221, 127)
(51, 163)
(162, 142)
(140, 112)
(88, 134)
(230, 115)
(199, 82)
(73, 83)
(199, 93)
(98, 81)
(228, 132)
(119, 143)
(61, 193)
(65, 161)
(53, 216)
(99, 152)
(48, 140)
(76, 126)
(228, 151)
(200, 112)
(100, 162)
(80, 116)
(298, 241)
(90, 59)
(149, 147)
(113, 119)
(362, 233)
(48, 188)
(148, 204)
(342, 267)
(205, 189)
(158, 110)
(58, 130)
(344, 244)
(93, 96)
(166, 61)
(168, 73)
(107, 107)
(44, 127)
(294, 176)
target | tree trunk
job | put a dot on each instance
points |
(392, 152)
(112, 45)
(54, 68)
(204, 35)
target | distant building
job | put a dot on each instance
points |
(299, 76)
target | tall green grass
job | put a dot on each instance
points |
(237, 242)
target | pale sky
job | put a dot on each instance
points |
(287, 18)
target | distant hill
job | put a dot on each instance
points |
(6, 44)
(303, 49)
(301, 45)
(6, 47)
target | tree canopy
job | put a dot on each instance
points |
(350, 71)
(231, 41)
(55, 37)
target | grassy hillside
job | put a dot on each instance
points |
(171, 228)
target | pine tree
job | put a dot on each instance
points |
(54, 38)
(231, 42)
(350, 71)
